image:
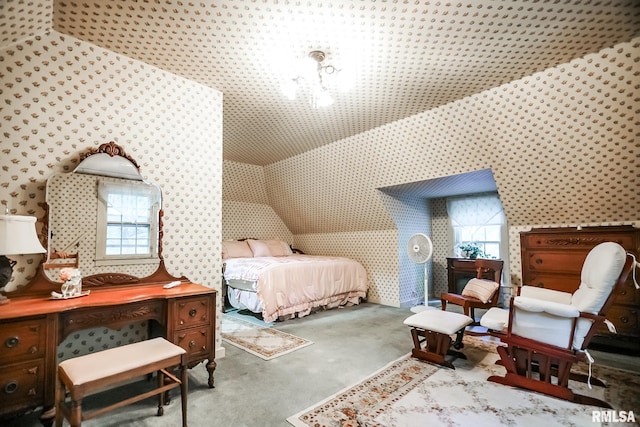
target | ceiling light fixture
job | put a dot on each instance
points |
(312, 75)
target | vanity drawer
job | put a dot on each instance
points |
(21, 385)
(196, 341)
(115, 315)
(193, 311)
(22, 340)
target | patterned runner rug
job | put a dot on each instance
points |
(410, 392)
(258, 340)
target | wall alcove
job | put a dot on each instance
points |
(418, 207)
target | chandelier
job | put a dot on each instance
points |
(314, 78)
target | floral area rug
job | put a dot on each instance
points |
(264, 342)
(410, 392)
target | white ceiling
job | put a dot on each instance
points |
(407, 56)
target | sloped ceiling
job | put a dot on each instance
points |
(407, 57)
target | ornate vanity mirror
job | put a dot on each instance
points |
(105, 220)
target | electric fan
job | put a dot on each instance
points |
(420, 250)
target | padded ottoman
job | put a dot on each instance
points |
(434, 328)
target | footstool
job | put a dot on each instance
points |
(434, 328)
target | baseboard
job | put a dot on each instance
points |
(418, 301)
(220, 352)
(411, 303)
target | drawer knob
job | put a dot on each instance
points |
(193, 312)
(192, 344)
(12, 342)
(538, 261)
(11, 387)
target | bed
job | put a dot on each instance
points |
(267, 277)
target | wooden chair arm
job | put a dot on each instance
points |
(453, 298)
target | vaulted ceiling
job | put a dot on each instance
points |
(406, 56)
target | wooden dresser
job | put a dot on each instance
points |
(553, 257)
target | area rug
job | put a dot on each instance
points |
(264, 342)
(409, 392)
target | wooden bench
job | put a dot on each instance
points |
(89, 374)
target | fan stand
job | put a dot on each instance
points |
(422, 307)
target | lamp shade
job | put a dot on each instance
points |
(18, 235)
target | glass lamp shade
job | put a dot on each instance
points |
(18, 235)
(105, 165)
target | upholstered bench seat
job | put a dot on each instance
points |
(85, 375)
(434, 328)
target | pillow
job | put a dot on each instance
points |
(272, 247)
(259, 248)
(480, 288)
(236, 249)
(278, 248)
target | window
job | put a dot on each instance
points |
(127, 222)
(486, 237)
(478, 219)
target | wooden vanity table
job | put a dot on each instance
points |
(34, 323)
(32, 327)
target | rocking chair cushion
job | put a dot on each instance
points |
(496, 319)
(443, 322)
(546, 294)
(537, 306)
(480, 288)
(599, 274)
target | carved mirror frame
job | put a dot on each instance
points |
(43, 285)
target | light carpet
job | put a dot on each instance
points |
(264, 342)
(410, 392)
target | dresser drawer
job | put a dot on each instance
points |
(196, 341)
(629, 294)
(21, 385)
(559, 282)
(193, 311)
(577, 241)
(625, 319)
(22, 340)
(554, 261)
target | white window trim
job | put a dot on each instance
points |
(102, 259)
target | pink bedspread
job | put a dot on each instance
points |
(295, 284)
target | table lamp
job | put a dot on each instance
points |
(17, 237)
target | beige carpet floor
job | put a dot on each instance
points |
(410, 392)
(264, 342)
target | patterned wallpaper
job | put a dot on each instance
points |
(61, 96)
(407, 56)
(411, 215)
(562, 146)
(246, 212)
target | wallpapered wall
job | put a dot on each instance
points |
(246, 212)
(61, 96)
(562, 145)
